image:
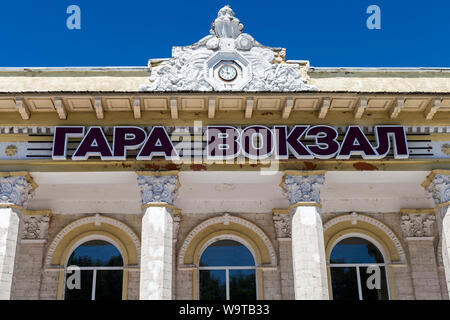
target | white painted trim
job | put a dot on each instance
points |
(358, 279)
(344, 265)
(101, 268)
(228, 267)
(94, 284)
(227, 283)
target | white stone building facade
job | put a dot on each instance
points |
(300, 227)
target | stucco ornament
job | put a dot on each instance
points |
(440, 191)
(282, 224)
(440, 188)
(446, 148)
(303, 188)
(15, 190)
(11, 150)
(418, 225)
(158, 189)
(194, 67)
(35, 227)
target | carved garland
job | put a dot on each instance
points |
(97, 220)
(418, 225)
(226, 219)
(372, 221)
(35, 227)
(282, 223)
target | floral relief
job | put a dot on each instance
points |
(303, 188)
(15, 190)
(418, 225)
(187, 69)
(158, 189)
(35, 227)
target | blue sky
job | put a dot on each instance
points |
(329, 33)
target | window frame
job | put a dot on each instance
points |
(227, 268)
(380, 248)
(93, 268)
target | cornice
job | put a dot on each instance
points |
(430, 107)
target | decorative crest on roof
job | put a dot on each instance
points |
(227, 60)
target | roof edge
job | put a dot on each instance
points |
(69, 69)
(379, 69)
(147, 69)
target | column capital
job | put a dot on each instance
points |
(303, 186)
(158, 188)
(16, 189)
(438, 184)
(418, 225)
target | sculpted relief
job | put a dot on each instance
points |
(256, 67)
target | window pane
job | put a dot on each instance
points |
(213, 285)
(109, 285)
(96, 253)
(226, 253)
(355, 250)
(374, 288)
(344, 283)
(242, 285)
(85, 291)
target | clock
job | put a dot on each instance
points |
(227, 72)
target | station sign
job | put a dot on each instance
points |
(256, 142)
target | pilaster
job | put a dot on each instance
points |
(282, 224)
(418, 230)
(308, 251)
(438, 184)
(157, 193)
(15, 191)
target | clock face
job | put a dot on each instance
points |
(227, 72)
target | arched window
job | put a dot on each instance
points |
(358, 271)
(227, 272)
(94, 271)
